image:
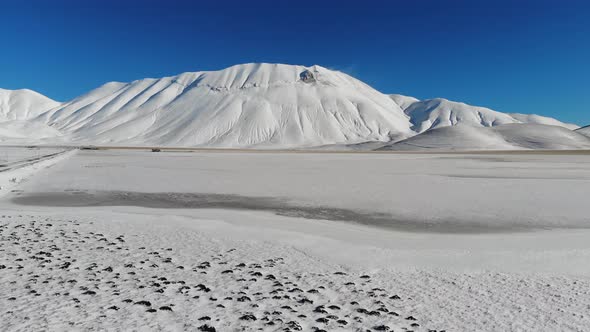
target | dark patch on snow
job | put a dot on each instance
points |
(282, 207)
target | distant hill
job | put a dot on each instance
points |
(440, 112)
(503, 137)
(23, 104)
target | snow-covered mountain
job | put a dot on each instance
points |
(439, 112)
(503, 137)
(241, 106)
(250, 105)
(23, 104)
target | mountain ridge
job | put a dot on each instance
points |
(440, 112)
(584, 130)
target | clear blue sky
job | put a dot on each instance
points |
(530, 56)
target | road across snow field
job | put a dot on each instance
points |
(10, 154)
(20, 164)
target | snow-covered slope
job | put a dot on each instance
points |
(23, 104)
(536, 136)
(504, 137)
(439, 112)
(27, 132)
(403, 101)
(436, 113)
(241, 106)
(538, 119)
(584, 131)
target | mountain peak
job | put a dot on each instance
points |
(252, 75)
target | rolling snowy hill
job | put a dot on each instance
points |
(23, 104)
(504, 137)
(439, 112)
(249, 106)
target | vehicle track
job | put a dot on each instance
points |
(27, 162)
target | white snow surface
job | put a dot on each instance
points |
(257, 105)
(503, 137)
(89, 267)
(404, 191)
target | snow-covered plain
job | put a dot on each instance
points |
(487, 242)
(429, 191)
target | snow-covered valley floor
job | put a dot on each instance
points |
(518, 265)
